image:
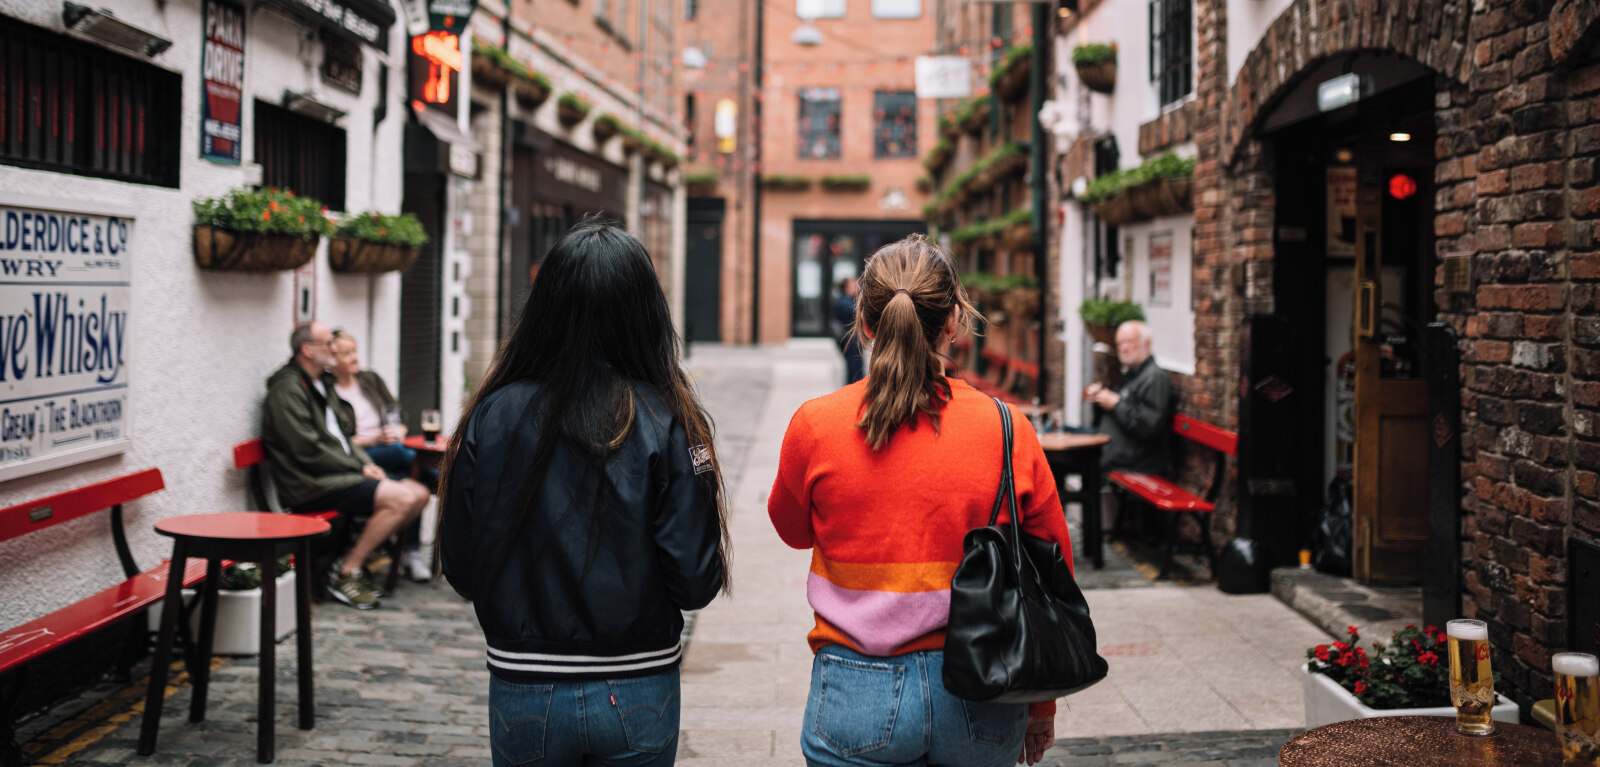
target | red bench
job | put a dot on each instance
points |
(1167, 496)
(138, 590)
(252, 455)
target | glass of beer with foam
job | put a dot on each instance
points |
(1577, 706)
(1471, 677)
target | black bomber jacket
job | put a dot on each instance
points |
(582, 595)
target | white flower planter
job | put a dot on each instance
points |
(1326, 702)
(239, 618)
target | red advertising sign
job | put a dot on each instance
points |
(222, 82)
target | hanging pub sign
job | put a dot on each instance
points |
(364, 20)
(449, 15)
(222, 84)
(435, 61)
(64, 297)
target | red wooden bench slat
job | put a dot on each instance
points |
(994, 357)
(1029, 369)
(38, 636)
(69, 505)
(1159, 492)
(247, 454)
(1214, 437)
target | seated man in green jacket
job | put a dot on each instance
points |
(1138, 414)
(316, 467)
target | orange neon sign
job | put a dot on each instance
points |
(442, 52)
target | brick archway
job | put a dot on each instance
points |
(1309, 32)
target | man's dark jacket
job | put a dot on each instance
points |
(1141, 423)
(583, 592)
(308, 461)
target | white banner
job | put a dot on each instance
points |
(65, 269)
(943, 77)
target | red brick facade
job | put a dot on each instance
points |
(1517, 120)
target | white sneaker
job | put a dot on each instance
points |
(417, 566)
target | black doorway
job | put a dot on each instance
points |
(702, 272)
(828, 251)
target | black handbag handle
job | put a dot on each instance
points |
(1008, 488)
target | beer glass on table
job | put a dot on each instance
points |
(1471, 677)
(1578, 706)
(430, 425)
(393, 423)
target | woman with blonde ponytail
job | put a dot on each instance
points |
(882, 480)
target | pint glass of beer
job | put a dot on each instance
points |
(1471, 678)
(1578, 706)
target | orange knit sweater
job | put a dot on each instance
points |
(885, 527)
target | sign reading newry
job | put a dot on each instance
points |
(65, 269)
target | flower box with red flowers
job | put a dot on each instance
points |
(1410, 676)
(257, 230)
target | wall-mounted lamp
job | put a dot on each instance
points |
(807, 34)
(304, 104)
(1342, 91)
(99, 25)
(1399, 137)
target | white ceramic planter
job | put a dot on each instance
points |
(1326, 702)
(239, 618)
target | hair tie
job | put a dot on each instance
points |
(902, 290)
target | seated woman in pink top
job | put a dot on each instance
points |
(882, 480)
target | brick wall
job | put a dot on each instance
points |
(1517, 118)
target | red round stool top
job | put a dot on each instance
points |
(243, 526)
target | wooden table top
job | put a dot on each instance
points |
(1066, 440)
(243, 526)
(1419, 741)
(416, 442)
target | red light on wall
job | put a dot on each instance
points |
(442, 52)
(1401, 186)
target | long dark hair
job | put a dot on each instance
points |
(909, 290)
(595, 325)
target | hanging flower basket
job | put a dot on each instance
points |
(1013, 82)
(977, 117)
(227, 250)
(1146, 200)
(1100, 77)
(1116, 210)
(571, 110)
(604, 127)
(487, 71)
(1102, 334)
(530, 93)
(1018, 237)
(1174, 194)
(350, 255)
(1022, 303)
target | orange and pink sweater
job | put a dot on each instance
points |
(885, 527)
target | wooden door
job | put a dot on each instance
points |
(1391, 459)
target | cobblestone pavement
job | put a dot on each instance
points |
(406, 685)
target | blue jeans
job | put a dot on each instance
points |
(865, 710)
(611, 722)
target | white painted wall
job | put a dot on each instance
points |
(201, 343)
(1172, 326)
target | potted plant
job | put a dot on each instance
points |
(1408, 677)
(605, 126)
(1097, 66)
(1143, 194)
(257, 230)
(1173, 178)
(1101, 317)
(1019, 295)
(1109, 196)
(980, 286)
(938, 155)
(1010, 76)
(632, 139)
(973, 114)
(494, 65)
(571, 109)
(786, 181)
(372, 243)
(238, 625)
(847, 182)
(701, 178)
(1017, 229)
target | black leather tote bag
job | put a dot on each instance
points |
(1019, 628)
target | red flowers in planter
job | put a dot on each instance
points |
(1405, 673)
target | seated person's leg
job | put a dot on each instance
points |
(394, 504)
(354, 504)
(395, 459)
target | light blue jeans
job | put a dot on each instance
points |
(611, 722)
(865, 710)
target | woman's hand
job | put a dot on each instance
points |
(1041, 733)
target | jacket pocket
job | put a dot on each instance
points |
(857, 702)
(996, 724)
(649, 708)
(518, 714)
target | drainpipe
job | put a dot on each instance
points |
(503, 201)
(1041, 260)
(755, 177)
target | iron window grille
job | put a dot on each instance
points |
(1171, 48)
(77, 108)
(819, 124)
(894, 116)
(302, 154)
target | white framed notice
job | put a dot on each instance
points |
(65, 276)
(1160, 269)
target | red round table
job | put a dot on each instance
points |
(245, 536)
(417, 443)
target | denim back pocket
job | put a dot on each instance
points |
(996, 724)
(649, 707)
(517, 717)
(857, 702)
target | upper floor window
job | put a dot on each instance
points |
(300, 153)
(819, 124)
(1171, 49)
(819, 9)
(896, 9)
(690, 8)
(77, 108)
(894, 116)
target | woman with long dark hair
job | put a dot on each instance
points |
(882, 480)
(583, 510)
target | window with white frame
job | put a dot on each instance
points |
(1171, 49)
(819, 9)
(896, 9)
(819, 124)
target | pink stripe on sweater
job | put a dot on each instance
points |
(877, 622)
